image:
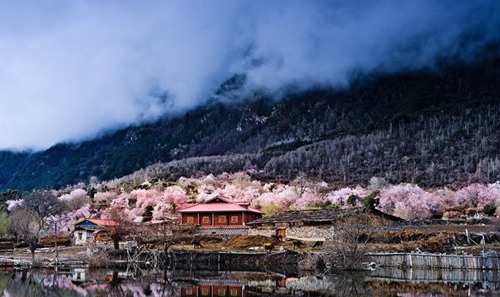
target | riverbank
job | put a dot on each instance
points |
(285, 261)
(262, 250)
(73, 255)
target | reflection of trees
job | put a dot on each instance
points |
(350, 284)
(162, 286)
(33, 283)
(341, 285)
(167, 288)
(114, 287)
(28, 283)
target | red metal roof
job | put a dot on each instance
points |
(98, 222)
(219, 204)
(255, 210)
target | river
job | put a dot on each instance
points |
(143, 282)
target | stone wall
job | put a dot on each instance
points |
(224, 231)
(262, 231)
(313, 232)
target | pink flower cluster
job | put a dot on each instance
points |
(408, 201)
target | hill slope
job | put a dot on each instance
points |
(433, 127)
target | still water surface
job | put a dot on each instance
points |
(137, 282)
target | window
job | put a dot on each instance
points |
(233, 292)
(221, 292)
(234, 219)
(205, 292)
(189, 291)
(80, 235)
(205, 220)
(190, 220)
(222, 219)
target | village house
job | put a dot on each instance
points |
(322, 223)
(87, 229)
(219, 212)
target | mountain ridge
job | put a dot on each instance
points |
(272, 131)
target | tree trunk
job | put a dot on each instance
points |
(32, 255)
(57, 250)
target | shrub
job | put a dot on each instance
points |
(490, 209)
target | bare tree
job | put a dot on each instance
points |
(348, 250)
(28, 220)
(26, 225)
(44, 204)
(123, 228)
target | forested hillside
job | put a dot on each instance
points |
(432, 126)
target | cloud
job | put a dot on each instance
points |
(72, 69)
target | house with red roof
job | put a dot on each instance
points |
(87, 229)
(219, 211)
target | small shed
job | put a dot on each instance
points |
(86, 229)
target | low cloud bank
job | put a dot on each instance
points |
(70, 70)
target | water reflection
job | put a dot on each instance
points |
(143, 282)
(233, 283)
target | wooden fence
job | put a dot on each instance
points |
(486, 261)
(486, 278)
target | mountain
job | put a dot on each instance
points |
(432, 126)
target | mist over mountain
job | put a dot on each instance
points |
(71, 71)
(433, 126)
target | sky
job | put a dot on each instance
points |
(71, 70)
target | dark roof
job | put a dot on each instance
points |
(321, 216)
